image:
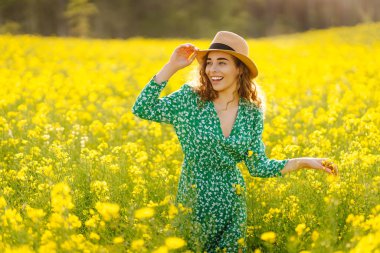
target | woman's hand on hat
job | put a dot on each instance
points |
(183, 56)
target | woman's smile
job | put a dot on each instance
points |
(216, 79)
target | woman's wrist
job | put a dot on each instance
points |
(292, 165)
(306, 162)
(172, 67)
(165, 73)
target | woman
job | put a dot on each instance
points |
(219, 123)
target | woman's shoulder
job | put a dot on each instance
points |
(190, 90)
(252, 107)
(188, 94)
(195, 99)
(189, 87)
(186, 87)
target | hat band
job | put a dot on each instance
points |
(220, 46)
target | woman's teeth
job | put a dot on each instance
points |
(216, 78)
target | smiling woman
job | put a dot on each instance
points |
(219, 123)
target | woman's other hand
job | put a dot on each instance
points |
(322, 164)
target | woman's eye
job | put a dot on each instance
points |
(220, 63)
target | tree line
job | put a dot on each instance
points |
(179, 18)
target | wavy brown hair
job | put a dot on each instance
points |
(247, 88)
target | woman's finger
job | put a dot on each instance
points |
(333, 168)
(328, 170)
(187, 46)
(193, 56)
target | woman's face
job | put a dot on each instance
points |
(222, 71)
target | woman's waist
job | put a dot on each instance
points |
(222, 163)
(212, 173)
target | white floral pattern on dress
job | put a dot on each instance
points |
(209, 173)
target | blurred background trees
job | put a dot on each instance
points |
(77, 14)
(179, 18)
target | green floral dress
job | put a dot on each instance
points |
(210, 181)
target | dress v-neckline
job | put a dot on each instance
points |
(219, 122)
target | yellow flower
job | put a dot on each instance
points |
(61, 198)
(11, 218)
(162, 249)
(250, 153)
(3, 202)
(73, 221)
(94, 236)
(35, 214)
(165, 201)
(269, 237)
(93, 221)
(173, 211)
(100, 188)
(48, 247)
(145, 212)
(241, 241)
(137, 244)
(238, 189)
(108, 210)
(20, 249)
(174, 242)
(314, 235)
(147, 237)
(300, 228)
(118, 239)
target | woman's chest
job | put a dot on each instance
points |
(206, 129)
(226, 120)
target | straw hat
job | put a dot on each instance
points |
(233, 44)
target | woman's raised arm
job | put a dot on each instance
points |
(149, 106)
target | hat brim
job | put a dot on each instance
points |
(247, 61)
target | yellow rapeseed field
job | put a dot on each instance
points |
(80, 173)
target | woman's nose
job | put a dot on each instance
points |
(213, 68)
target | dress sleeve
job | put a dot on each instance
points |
(149, 106)
(258, 164)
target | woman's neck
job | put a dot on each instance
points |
(232, 99)
(227, 96)
(226, 101)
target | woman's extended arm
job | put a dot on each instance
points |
(259, 165)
